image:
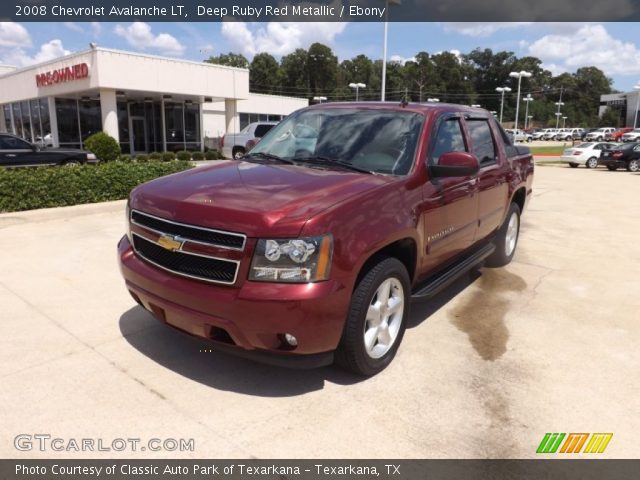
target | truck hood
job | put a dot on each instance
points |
(255, 199)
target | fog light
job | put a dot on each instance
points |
(291, 340)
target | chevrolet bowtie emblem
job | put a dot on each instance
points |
(171, 243)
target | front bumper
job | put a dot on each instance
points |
(248, 319)
(572, 159)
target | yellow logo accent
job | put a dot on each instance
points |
(169, 242)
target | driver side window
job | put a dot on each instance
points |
(448, 139)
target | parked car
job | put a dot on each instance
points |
(587, 154)
(16, 152)
(626, 155)
(567, 134)
(586, 132)
(519, 135)
(310, 248)
(616, 136)
(235, 145)
(631, 136)
(599, 134)
(550, 134)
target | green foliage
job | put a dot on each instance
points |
(212, 155)
(230, 59)
(168, 156)
(46, 187)
(183, 155)
(155, 156)
(124, 158)
(141, 157)
(103, 146)
(197, 156)
(263, 74)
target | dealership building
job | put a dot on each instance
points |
(624, 104)
(147, 103)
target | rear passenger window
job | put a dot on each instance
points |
(261, 130)
(448, 139)
(482, 145)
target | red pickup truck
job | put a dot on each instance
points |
(310, 249)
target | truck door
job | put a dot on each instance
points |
(492, 186)
(451, 203)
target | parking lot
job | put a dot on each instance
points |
(548, 344)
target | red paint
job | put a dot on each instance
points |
(364, 213)
(62, 75)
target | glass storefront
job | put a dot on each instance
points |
(247, 118)
(29, 120)
(68, 124)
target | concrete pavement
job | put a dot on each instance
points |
(548, 344)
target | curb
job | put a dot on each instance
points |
(57, 213)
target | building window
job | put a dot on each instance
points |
(7, 118)
(17, 119)
(175, 126)
(90, 118)
(68, 127)
(45, 121)
(192, 126)
(26, 122)
(123, 127)
(247, 118)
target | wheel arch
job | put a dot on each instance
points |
(519, 197)
(404, 249)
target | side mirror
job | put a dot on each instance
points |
(455, 164)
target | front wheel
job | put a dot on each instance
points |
(377, 319)
(592, 162)
(506, 239)
(633, 166)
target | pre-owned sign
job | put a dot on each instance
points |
(62, 75)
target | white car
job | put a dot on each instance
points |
(587, 154)
(550, 133)
(599, 134)
(236, 145)
(632, 136)
(519, 135)
(569, 134)
(538, 135)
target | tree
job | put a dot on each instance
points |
(230, 60)
(264, 74)
(293, 73)
(322, 70)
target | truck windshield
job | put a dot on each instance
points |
(380, 141)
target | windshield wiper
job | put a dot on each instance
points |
(323, 161)
(267, 156)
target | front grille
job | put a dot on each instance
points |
(187, 264)
(218, 238)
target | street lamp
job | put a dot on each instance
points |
(384, 48)
(320, 99)
(502, 90)
(433, 100)
(635, 119)
(527, 99)
(558, 114)
(564, 121)
(357, 87)
(519, 76)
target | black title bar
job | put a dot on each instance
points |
(320, 10)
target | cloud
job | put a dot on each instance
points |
(481, 29)
(48, 51)
(590, 45)
(140, 36)
(73, 26)
(279, 38)
(401, 60)
(14, 35)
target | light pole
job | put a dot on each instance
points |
(519, 76)
(502, 91)
(530, 117)
(559, 104)
(564, 121)
(357, 87)
(320, 99)
(384, 48)
(527, 99)
(635, 119)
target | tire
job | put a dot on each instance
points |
(599, 138)
(573, 165)
(71, 163)
(612, 168)
(633, 165)
(591, 162)
(362, 323)
(506, 240)
(238, 153)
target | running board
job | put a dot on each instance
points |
(439, 282)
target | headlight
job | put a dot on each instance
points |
(299, 260)
(91, 156)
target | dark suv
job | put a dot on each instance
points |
(16, 152)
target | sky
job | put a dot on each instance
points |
(563, 47)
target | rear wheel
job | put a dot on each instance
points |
(592, 162)
(633, 165)
(506, 239)
(377, 319)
